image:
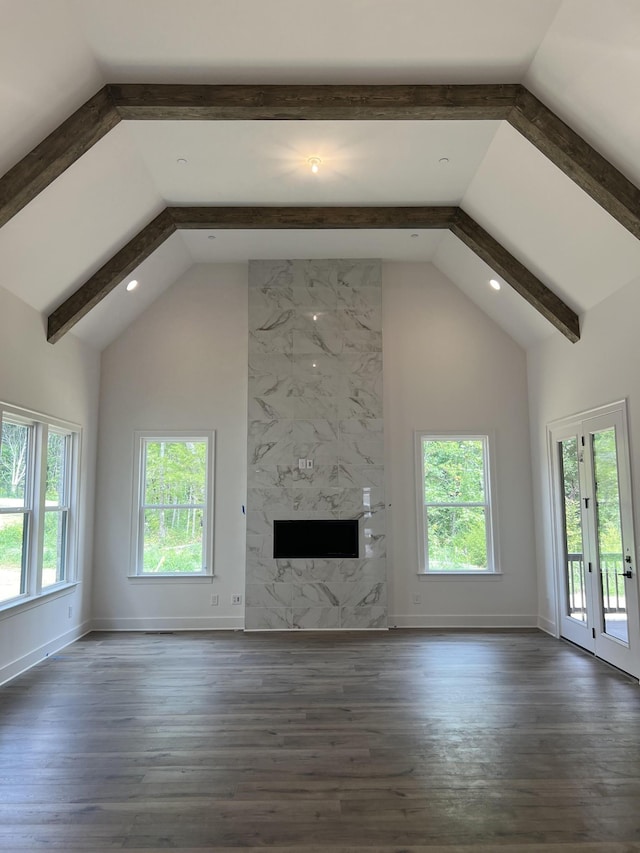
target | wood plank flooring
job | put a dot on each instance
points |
(406, 741)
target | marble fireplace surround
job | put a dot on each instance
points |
(315, 392)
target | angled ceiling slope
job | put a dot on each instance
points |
(245, 218)
(513, 103)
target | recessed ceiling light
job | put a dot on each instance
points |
(211, 237)
(182, 161)
(314, 163)
(443, 161)
(132, 284)
(415, 235)
(495, 284)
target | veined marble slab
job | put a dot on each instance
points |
(362, 618)
(268, 619)
(268, 594)
(350, 476)
(270, 408)
(319, 298)
(315, 392)
(268, 570)
(316, 618)
(267, 274)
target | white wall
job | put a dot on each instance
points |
(448, 367)
(61, 381)
(182, 365)
(566, 379)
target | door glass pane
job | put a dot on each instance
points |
(574, 554)
(609, 534)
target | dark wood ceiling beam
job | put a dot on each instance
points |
(312, 103)
(523, 281)
(512, 102)
(109, 276)
(264, 218)
(318, 218)
(48, 160)
(577, 159)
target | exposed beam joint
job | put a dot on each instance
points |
(523, 281)
(48, 160)
(265, 218)
(109, 276)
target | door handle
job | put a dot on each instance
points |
(627, 574)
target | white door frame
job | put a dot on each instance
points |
(583, 424)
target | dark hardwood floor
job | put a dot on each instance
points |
(416, 741)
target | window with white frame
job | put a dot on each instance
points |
(455, 515)
(57, 507)
(38, 479)
(174, 501)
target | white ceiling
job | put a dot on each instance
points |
(587, 69)
(363, 162)
(582, 57)
(334, 41)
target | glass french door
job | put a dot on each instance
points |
(596, 571)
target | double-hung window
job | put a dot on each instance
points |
(173, 492)
(57, 507)
(456, 518)
(38, 481)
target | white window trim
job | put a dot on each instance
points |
(65, 502)
(135, 562)
(488, 438)
(36, 486)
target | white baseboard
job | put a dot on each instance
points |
(547, 626)
(16, 667)
(169, 623)
(480, 620)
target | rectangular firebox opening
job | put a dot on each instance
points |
(320, 538)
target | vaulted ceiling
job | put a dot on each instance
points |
(581, 58)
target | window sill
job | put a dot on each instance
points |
(18, 605)
(171, 578)
(447, 576)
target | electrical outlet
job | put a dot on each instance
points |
(236, 599)
(214, 600)
(416, 598)
(302, 463)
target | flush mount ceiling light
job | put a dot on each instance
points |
(314, 163)
(495, 284)
(132, 285)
